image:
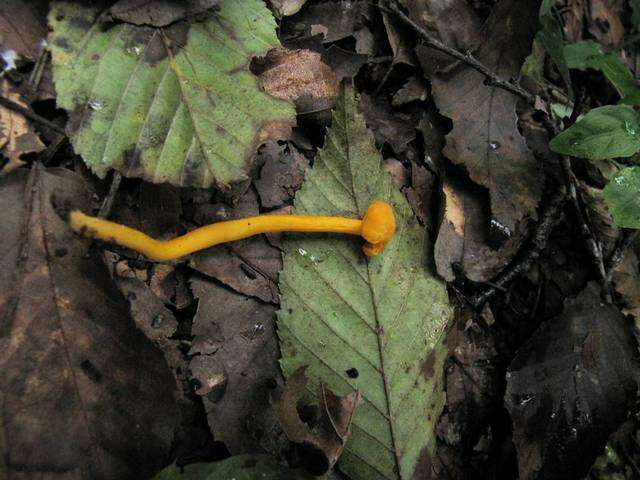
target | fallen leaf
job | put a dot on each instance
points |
(286, 8)
(605, 21)
(569, 388)
(626, 280)
(248, 266)
(176, 105)
(23, 27)
(345, 64)
(85, 393)
(399, 40)
(238, 334)
(334, 20)
(397, 129)
(281, 176)
(463, 243)
(16, 134)
(239, 467)
(415, 89)
(485, 137)
(419, 194)
(375, 326)
(159, 13)
(600, 220)
(454, 22)
(300, 77)
(319, 447)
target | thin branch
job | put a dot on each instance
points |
(107, 204)
(492, 79)
(624, 242)
(531, 252)
(28, 113)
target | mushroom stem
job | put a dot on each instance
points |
(377, 227)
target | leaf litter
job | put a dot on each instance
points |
(203, 368)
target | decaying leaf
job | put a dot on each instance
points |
(454, 22)
(333, 20)
(176, 104)
(626, 280)
(321, 446)
(569, 388)
(159, 13)
(16, 134)
(463, 246)
(375, 326)
(240, 467)
(415, 89)
(248, 266)
(281, 175)
(605, 21)
(285, 8)
(236, 333)
(23, 27)
(600, 219)
(300, 77)
(485, 137)
(85, 394)
(397, 129)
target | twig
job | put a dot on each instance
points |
(550, 217)
(28, 113)
(492, 78)
(107, 204)
(624, 242)
(594, 247)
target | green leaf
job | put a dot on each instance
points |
(240, 467)
(622, 195)
(552, 39)
(635, 16)
(374, 325)
(589, 54)
(605, 132)
(176, 104)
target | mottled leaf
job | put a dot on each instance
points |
(605, 132)
(159, 13)
(176, 104)
(373, 325)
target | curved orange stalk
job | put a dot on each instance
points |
(377, 228)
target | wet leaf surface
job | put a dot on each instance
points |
(569, 387)
(83, 391)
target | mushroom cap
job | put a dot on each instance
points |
(378, 227)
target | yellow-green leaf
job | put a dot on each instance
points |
(176, 104)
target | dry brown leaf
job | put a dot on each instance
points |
(485, 137)
(16, 134)
(238, 335)
(604, 228)
(160, 13)
(248, 266)
(285, 8)
(319, 447)
(604, 21)
(23, 26)
(626, 280)
(299, 76)
(84, 391)
(281, 175)
(462, 246)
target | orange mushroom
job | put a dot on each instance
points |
(377, 228)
